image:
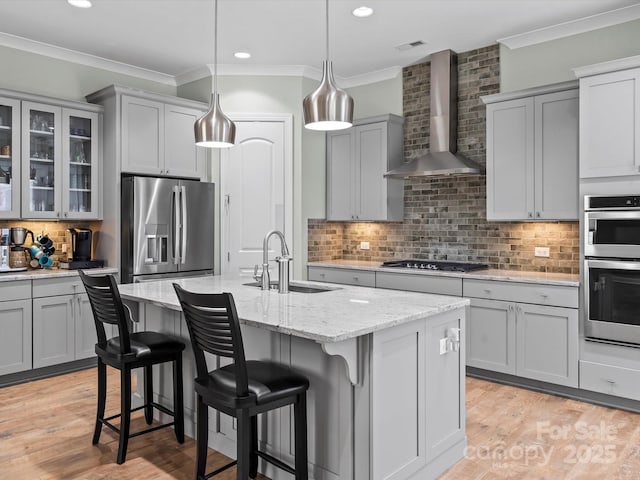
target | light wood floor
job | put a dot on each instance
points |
(519, 434)
(46, 428)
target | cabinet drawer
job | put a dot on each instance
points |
(420, 283)
(51, 287)
(363, 278)
(618, 381)
(16, 290)
(553, 295)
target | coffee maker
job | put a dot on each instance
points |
(80, 244)
(14, 256)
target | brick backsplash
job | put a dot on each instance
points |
(57, 231)
(445, 217)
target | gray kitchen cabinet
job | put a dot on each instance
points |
(547, 343)
(63, 326)
(436, 284)
(61, 158)
(531, 340)
(363, 278)
(357, 159)
(610, 369)
(10, 157)
(610, 124)
(491, 336)
(610, 379)
(157, 138)
(532, 154)
(15, 325)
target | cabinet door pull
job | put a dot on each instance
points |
(530, 215)
(538, 214)
(356, 279)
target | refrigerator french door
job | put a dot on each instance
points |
(167, 228)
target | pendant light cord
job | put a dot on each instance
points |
(327, 25)
(215, 45)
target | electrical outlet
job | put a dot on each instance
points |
(364, 245)
(64, 248)
(541, 252)
(444, 347)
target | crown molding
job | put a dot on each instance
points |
(609, 66)
(73, 56)
(285, 71)
(574, 27)
(372, 77)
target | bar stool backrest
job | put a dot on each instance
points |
(107, 307)
(214, 328)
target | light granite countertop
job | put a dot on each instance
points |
(562, 279)
(344, 312)
(40, 273)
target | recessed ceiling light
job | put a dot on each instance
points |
(362, 11)
(242, 55)
(80, 3)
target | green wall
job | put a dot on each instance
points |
(553, 61)
(32, 73)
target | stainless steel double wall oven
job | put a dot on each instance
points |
(612, 268)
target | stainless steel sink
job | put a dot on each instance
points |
(295, 287)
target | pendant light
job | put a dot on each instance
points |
(328, 107)
(214, 129)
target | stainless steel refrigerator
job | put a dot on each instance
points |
(167, 228)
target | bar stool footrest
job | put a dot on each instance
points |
(162, 408)
(274, 461)
(220, 470)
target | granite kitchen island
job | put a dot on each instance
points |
(386, 370)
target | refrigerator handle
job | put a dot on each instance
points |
(176, 225)
(183, 200)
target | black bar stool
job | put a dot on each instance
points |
(243, 389)
(126, 352)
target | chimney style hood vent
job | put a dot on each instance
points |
(443, 126)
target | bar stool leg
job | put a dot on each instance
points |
(243, 444)
(148, 394)
(125, 412)
(102, 396)
(253, 455)
(178, 407)
(300, 419)
(202, 437)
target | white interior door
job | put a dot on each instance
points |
(256, 192)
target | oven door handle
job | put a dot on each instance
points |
(612, 264)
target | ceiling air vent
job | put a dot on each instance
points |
(410, 45)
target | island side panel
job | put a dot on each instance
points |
(416, 397)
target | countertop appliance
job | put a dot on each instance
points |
(167, 228)
(612, 268)
(7, 263)
(80, 244)
(435, 265)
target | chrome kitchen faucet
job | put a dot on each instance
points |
(283, 264)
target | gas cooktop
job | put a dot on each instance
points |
(435, 265)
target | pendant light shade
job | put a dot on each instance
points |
(214, 129)
(327, 107)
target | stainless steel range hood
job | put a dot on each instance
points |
(443, 159)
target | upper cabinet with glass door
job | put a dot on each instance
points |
(81, 190)
(9, 158)
(41, 160)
